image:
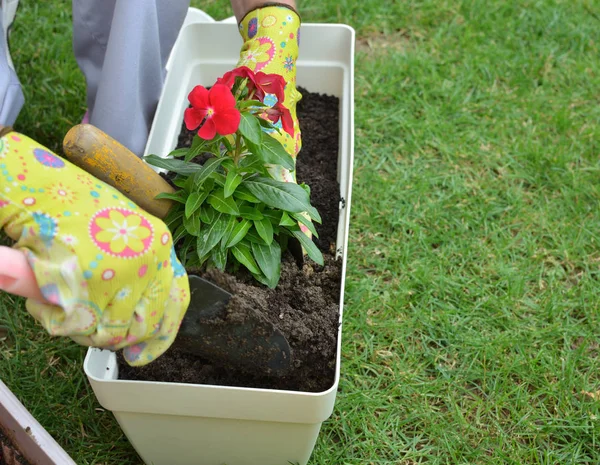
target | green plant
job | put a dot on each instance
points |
(230, 210)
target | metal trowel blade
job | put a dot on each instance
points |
(252, 345)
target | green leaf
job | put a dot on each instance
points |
(178, 152)
(273, 215)
(250, 128)
(192, 224)
(184, 252)
(173, 165)
(250, 213)
(207, 214)
(243, 255)
(306, 187)
(286, 220)
(219, 258)
(232, 181)
(251, 164)
(275, 154)
(239, 232)
(268, 258)
(210, 235)
(267, 124)
(314, 214)
(198, 145)
(283, 195)
(271, 151)
(180, 181)
(208, 185)
(228, 164)
(261, 278)
(264, 228)
(227, 144)
(215, 147)
(179, 234)
(174, 215)
(231, 224)
(179, 196)
(310, 247)
(194, 202)
(207, 169)
(244, 194)
(221, 204)
(204, 194)
(219, 179)
(246, 161)
(253, 236)
(250, 103)
(306, 222)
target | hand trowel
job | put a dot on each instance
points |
(252, 344)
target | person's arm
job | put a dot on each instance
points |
(242, 7)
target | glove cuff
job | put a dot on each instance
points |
(268, 5)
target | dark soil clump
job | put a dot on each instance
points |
(305, 304)
(9, 455)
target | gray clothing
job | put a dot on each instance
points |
(122, 47)
(11, 94)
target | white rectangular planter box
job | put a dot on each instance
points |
(186, 424)
(26, 434)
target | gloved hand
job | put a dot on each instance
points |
(271, 40)
(107, 269)
(270, 35)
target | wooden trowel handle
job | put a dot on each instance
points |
(103, 157)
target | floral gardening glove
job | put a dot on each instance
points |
(271, 40)
(270, 37)
(107, 269)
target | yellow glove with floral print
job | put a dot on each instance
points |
(107, 269)
(270, 35)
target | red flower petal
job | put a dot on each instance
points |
(273, 115)
(193, 117)
(227, 122)
(243, 72)
(286, 121)
(221, 98)
(228, 79)
(208, 130)
(198, 97)
(271, 84)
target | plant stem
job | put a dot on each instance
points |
(238, 149)
(241, 87)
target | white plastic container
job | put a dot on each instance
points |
(26, 434)
(185, 424)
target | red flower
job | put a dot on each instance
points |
(260, 82)
(280, 112)
(214, 110)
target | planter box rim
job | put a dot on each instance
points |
(90, 352)
(206, 400)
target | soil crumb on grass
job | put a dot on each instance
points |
(305, 304)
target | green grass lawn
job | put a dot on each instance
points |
(472, 317)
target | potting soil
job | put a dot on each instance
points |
(305, 304)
